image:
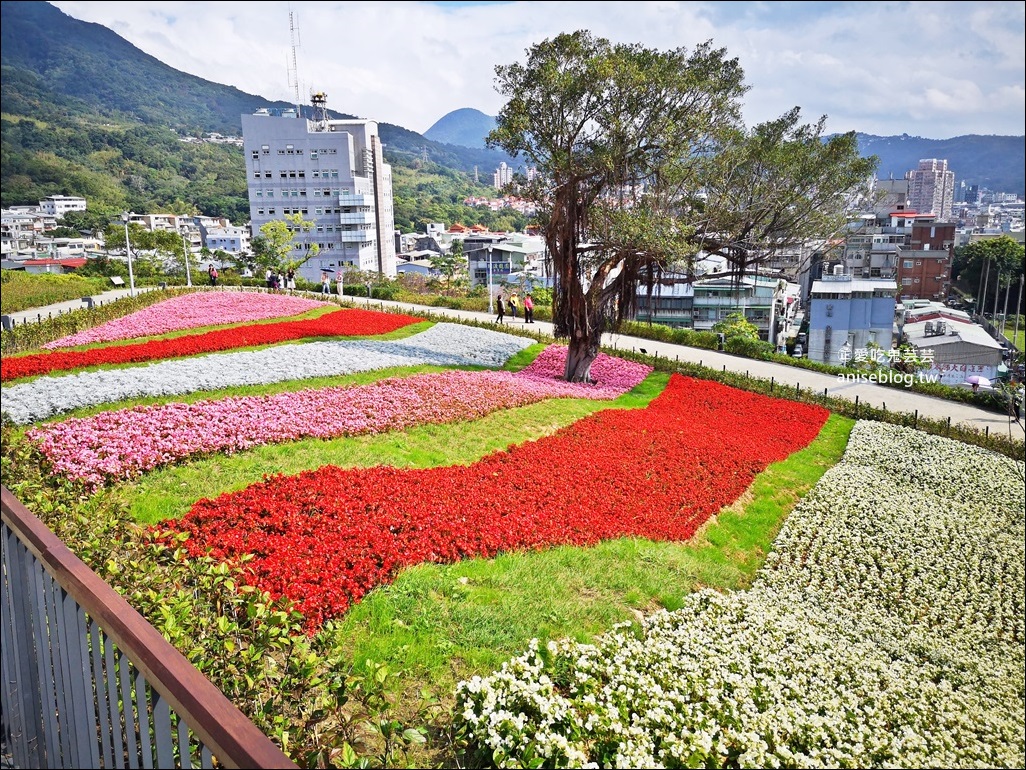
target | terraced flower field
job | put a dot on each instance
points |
(331, 460)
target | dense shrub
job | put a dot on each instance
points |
(23, 291)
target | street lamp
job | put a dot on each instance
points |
(185, 251)
(128, 250)
(491, 310)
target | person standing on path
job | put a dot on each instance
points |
(528, 310)
(325, 283)
(212, 274)
(500, 309)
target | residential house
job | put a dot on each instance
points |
(924, 265)
(56, 206)
(845, 311)
(756, 296)
(956, 347)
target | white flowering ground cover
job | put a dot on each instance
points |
(444, 344)
(885, 629)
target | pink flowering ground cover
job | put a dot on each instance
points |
(125, 443)
(190, 311)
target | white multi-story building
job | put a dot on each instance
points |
(57, 206)
(503, 176)
(931, 189)
(233, 240)
(332, 173)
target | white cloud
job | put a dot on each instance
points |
(937, 69)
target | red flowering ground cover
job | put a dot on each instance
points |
(325, 538)
(340, 323)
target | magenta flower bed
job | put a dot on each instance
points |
(190, 311)
(125, 443)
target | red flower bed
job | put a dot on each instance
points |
(340, 323)
(325, 538)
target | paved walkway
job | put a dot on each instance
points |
(879, 396)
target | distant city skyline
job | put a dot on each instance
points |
(930, 69)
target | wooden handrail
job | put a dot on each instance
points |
(223, 728)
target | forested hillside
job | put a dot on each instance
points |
(87, 113)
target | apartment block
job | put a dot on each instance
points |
(330, 172)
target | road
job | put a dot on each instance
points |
(879, 396)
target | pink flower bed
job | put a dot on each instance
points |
(125, 443)
(190, 311)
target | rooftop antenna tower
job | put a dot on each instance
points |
(319, 100)
(293, 71)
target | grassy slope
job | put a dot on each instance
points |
(442, 623)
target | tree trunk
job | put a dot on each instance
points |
(581, 353)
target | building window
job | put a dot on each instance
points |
(829, 311)
(906, 281)
(907, 264)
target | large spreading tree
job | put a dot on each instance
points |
(643, 162)
(613, 131)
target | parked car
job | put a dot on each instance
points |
(798, 350)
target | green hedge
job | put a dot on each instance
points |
(24, 291)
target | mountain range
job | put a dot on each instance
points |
(56, 66)
(73, 80)
(994, 162)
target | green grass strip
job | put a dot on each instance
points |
(444, 623)
(170, 492)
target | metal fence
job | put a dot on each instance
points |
(89, 683)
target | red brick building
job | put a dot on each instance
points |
(924, 265)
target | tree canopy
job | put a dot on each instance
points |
(613, 130)
(273, 247)
(644, 162)
(776, 186)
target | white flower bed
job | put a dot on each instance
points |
(444, 344)
(886, 629)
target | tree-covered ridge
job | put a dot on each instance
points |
(149, 169)
(121, 167)
(995, 162)
(71, 127)
(56, 66)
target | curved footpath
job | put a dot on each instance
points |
(879, 396)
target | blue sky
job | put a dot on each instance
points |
(930, 69)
